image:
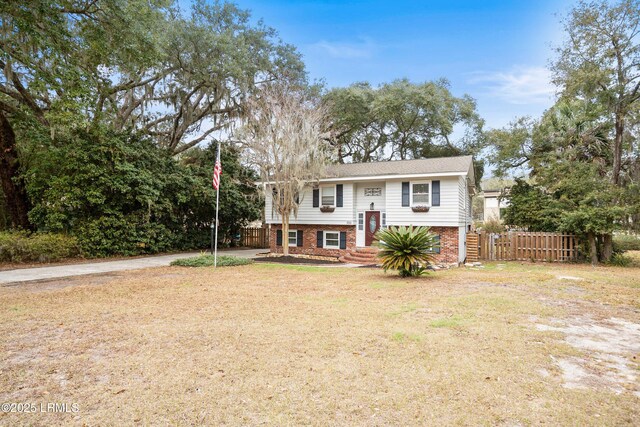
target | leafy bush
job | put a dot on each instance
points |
(406, 249)
(121, 195)
(625, 242)
(208, 261)
(117, 234)
(620, 260)
(38, 247)
(493, 225)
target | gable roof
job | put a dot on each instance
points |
(438, 165)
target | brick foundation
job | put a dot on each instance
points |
(309, 237)
(448, 244)
(448, 241)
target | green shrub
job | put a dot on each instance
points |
(208, 260)
(493, 225)
(620, 260)
(120, 194)
(124, 235)
(406, 249)
(626, 242)
(37, 247)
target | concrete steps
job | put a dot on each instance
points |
(364, 256)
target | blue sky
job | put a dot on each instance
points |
(496, 51)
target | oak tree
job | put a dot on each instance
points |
(284, 137)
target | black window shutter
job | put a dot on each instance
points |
(299, 241)
(278, 237)
(339, 195)
(319, 239)
(405, 194)
(297, 198)
(316, 197)
(343, 240)
(435, 193)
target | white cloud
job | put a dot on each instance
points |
(363, 49)
(520, 85)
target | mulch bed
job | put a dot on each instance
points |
(294, 260)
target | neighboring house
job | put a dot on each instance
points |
(342, 213)
(493, 205)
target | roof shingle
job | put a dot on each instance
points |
(459, 164)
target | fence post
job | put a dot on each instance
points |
(492, 247)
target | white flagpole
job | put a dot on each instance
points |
(215, 253)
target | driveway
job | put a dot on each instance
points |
(41, 273)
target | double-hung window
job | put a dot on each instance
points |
(420, 194)
(293, 237)
(436, 248)
(328, 195)
(332, 239)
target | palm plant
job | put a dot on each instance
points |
(407, 249)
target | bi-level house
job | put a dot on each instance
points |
(339, 215)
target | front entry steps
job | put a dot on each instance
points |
(364, 256)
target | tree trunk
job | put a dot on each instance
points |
(607, 247)
(285, 234)
(617, 148)
(13, 186)
(593, 249)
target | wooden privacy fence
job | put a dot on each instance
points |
(521, 246)
(254, 237)
(472, 247)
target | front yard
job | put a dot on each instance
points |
(510, 344)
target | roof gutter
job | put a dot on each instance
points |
(387, 177)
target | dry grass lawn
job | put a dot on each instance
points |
(510, 344)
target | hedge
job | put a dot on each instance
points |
(626, 242)
(37, 247)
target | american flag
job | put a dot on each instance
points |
(217, 170)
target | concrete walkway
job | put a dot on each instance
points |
(42, 273)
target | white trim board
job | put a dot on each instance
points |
(384, 177)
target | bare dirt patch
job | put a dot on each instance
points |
(611, 350)
(277, 344)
